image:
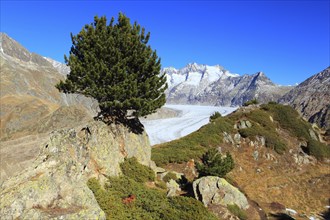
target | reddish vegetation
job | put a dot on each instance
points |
(129, 199)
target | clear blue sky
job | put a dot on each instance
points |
(287, 40)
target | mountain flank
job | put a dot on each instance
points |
(281, 161)
(312, 99)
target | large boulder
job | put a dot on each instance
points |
(216, 190)
(55, 186)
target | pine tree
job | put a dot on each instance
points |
(114, 64)
(214, 164)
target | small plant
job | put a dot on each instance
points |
(214, 116)
(251, 102)
(161, 184)
(318, 150)
(234, 209)
(272, 103)
(136, 171)
(169, 176)
(214, 164)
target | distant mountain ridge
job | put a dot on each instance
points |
(213, 85)
(312, 98)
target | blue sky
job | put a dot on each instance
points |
(287, 40)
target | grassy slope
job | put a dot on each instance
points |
(279, 179)
(211, 135)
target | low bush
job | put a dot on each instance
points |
(214, 164)
(136, 171)
(235, 210)
(289, 119)
(251, 102)
(318, 150)
(214, 116)
(272, 140)
(170, 176)
(147, 203)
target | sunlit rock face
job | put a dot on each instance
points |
(311, 98)
(54, 185)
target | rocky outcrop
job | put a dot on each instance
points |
(215, 190)
(54, 187)
(213, 85)
(311, 98)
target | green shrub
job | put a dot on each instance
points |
(272, 139)
(235, 210)
(214, 116)
(170, 176)
(318, 149)
(251, 102)
(136, 171)
(189, 208)
(161, 184)
(289, 119)
(213, 164)
(148, 204)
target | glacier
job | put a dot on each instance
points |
(190, 118)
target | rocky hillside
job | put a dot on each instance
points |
(54, 186)
(28, 93)
(31, 107)
(312, 98)
(281, 161)
(213, 85)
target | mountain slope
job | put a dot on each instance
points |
(28, 92)
(279, 162)
(213, 85)
(312, 98)
(31, 107)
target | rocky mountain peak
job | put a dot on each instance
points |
(10, 47)
(214, 85)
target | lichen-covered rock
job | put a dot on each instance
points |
(172, 188)
(55, 186)
(216, 190)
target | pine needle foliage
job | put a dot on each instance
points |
(114, 64)
(214, 164)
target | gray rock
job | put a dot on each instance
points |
(242, 124)
(255, 155)
(237, 138)
(302, 158)
(173, 187)
(215, 190)
(159, 170)
(313, 135)
(227, 138)
(55, 186)
(248, 124)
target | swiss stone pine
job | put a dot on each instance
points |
(114, 64)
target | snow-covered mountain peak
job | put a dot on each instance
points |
(194, 74)
(204, 84)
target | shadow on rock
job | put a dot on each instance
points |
(133, 124)
(282, 216)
